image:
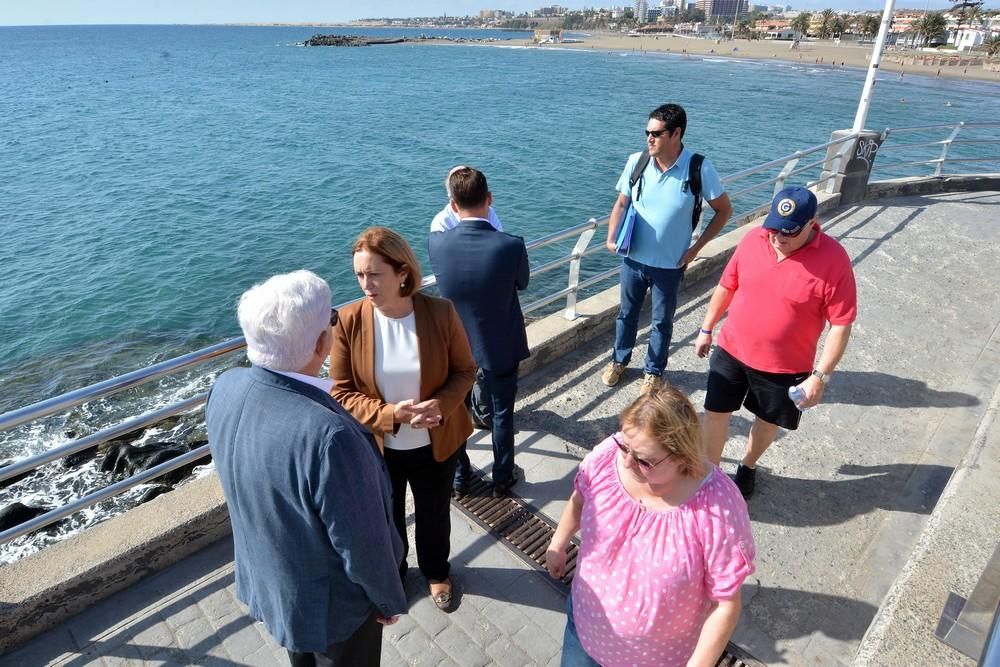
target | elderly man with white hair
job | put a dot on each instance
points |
(309, 498)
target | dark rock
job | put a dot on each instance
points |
(16, 478)
(126, 459)
(17, 513)
(155, 491)
(347, 40)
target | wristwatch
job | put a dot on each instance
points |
(823, 377)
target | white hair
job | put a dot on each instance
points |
(283, 317)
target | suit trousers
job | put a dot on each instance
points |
(499, 390)
(430, 482)
(362, 649)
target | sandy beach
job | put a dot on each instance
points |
(824, 53)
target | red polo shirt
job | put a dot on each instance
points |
(780, 309)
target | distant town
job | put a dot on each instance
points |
(966, 26)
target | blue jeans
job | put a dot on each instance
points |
(498, 390)
(635, 279)
(573, 654)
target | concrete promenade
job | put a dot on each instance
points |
(885, 499)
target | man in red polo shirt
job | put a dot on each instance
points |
(785, 281)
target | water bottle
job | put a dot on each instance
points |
(798, 396)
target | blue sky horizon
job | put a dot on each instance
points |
(103, 12)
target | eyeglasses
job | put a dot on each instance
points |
(333, 317)
(643, 464)
(656, 133)
(792, 234)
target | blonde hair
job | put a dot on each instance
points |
(394, 249)
(667, 416)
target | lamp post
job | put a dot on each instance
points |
(866, 91)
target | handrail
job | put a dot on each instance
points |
(787, 166)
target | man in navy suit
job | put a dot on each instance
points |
(481, 270)
(317, 556)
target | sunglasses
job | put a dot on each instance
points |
(656, 133)
(333, 317)
(643, 464)
(792, 234)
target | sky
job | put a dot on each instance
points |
(68, 12)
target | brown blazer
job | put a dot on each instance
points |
(447, 370)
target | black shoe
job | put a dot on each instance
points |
(460, 491)
(502, 490)
(746, 479)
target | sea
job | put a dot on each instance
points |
(150, 174)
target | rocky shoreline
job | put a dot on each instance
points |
(349, 40)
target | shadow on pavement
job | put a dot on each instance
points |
(830, 502)
(874, 388)
(786, 614)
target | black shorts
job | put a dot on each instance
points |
(732, 383)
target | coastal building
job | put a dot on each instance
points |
(724, 9)
(970, 38)
(640, 10)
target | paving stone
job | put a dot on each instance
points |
(241, 638)
(196, 637)
(461, 648)
(219, 604)
(182, 612)
(172, 656)
(536, 643)
(417, 648)
(506, 653)
(480, 630)
(264, 657)
(150, 639)
(505, 616)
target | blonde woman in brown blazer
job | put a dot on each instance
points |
(401, 365)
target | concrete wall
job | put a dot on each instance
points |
(42, 590)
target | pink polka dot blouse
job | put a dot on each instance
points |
(646, 578)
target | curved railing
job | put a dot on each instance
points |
(816, 166)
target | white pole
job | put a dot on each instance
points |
(866, 92)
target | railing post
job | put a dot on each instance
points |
(779, 182)
(849, 165)
(574, 269)
(944, 149)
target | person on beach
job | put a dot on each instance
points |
(663, 531)
(661, 246)
(447, 218)
(307, 491)
(401, 364)
(481, 271)
(785, 282)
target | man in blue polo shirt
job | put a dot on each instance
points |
(660, 246)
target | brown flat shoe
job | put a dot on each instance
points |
(441, 599)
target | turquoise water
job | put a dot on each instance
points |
(148, 175)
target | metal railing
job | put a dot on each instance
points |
(945, 157)
(752, 180)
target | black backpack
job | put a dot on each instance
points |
(693, 182)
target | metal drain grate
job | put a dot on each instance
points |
(527, 534)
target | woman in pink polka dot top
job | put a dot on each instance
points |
(665, 545)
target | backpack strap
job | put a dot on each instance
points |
(694, 182)
(640, 166)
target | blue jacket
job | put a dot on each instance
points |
(311, 508)
(481, 270)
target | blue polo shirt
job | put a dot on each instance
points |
(662, 231)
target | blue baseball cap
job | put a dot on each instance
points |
(792, 208)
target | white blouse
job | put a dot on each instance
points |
(397, 373)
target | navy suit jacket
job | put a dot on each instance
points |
(481, 270)
(311, 508)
